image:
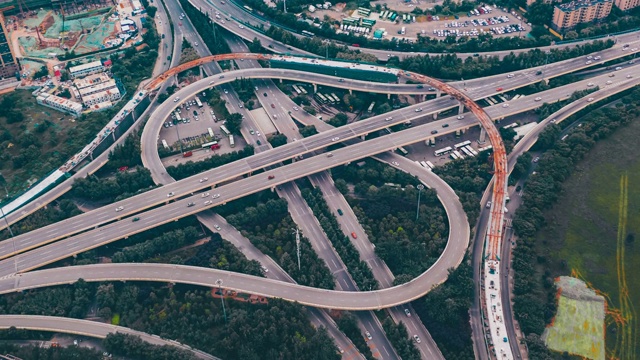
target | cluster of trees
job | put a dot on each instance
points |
(188, 314)
(445, 310)
(348, 324)
(217, 103)
(534, 295)
(245, 90)
(402, 342)
(34, 351)
(159, 245)
(617, 21)
(191, 168)
(219, 254)
(57, 211)
(204, 25)
(371, 173)
(122, 185)
(340, 119)
(277, 140)
(451, 67)
(234, 123)
(126, 154)
(408, 246)
(469, 178)
(308, 130)
(359, 270)
(132, 347)
(269, 227)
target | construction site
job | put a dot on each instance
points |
(66, 26)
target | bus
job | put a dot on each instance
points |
(403, 151)
(337, 99)
(198, 102)
(424, 164)
(383, 15)
(462, 144)
(443, 151)
(304, 91)
(329, 98)
(321, 98)
(308, 33)
(210, 132)
(471, 150)
(453, 156)
(430, 164)
(370, 109)
(248, 8)
(457, 153)
(488, 147)
(178, 118)
(209, 144)
(231, 142)
(225, 130)
(364, 11)
(164, 143)
(512, 125)
(296, 89)
(466, 151)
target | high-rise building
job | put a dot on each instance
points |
(567, 16)
(8, 62)
(625, 5)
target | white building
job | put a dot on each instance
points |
(59, 103)
(86, 69)
(100, 97)
(98, 88)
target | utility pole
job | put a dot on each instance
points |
(298, 245)
(224, 311)
(285, 6)
(420, 188)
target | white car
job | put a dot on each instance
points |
(619, 68)
(204, 179)
(196, 43)
(395, 163)
(204, 195)
(588, 62)
(226, 91)
(215, 196)
(119, 208)
(417, 339)
(388, 119)
(536, 159)
(217, 227)
(208, 202)
(418, 109)
(335, 139)
(629, 76)
(590, 99)
(406, 311)
(510, 76)
(590, 84)
(170, 194)
(609, 82)
(295, 108)
(597, 58)
(505, 105)
(460, 117)
(368, 334)
(241, 26)
(538, 98)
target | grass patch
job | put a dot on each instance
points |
(589, 236)
(115, 320)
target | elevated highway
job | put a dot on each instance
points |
(88, 328)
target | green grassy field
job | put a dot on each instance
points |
(591, 233)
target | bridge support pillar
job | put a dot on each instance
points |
(113, 135)
(483, 136)
(435, 116)
(350, 91)
(546, 81)
(315, 88)
(280, 81)
(438, 94)
(389, 96)
(91, 155)
(460, 108)
(362, 137)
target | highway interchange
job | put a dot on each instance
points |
(282, 175)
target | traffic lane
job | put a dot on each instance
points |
(87, 328)
(361, 126)
(53, 252)
(235, 190)
(380, 346)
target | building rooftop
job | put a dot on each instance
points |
(580, 4)
(60, 101)
(91, 80)
(100, 94)
(86, 66)
(97, 87)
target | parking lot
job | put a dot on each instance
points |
(191, 123)
(488, 20)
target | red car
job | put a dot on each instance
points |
(271, 177)
(354, 235)
(273, 106)
(499, 89)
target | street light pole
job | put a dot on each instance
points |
(224, 311)
(420, 188)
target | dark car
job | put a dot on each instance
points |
(135, 219)
(340, 212)
(518, 188)
(271, 177)
(445, 125)
(434, 131)
(265, 94)
(273, 106)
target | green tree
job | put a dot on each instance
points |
(310, 109)
(234, 123)
(277, 140)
